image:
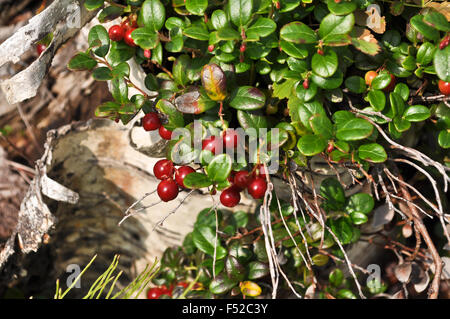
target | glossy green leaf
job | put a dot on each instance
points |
(403, 90)
(321, 125)
(102, 74)
(336, 277)
(93, 4)
(354, 129)
(221, 285)
(99, 40)
(262, 27)
(310, 145)
(251, 119)
(335, 25)
(119, 90)
(355, 84)
(82, 61)
(175, 117)
(437, 20)
(228, 33)
(146, 38)
(298, 32)
(235, 270)
(329, 83)
(219, 19)
(299, 51)
(342, 7)
(306, 95)
(257, 270)
(240, 11)
(441, 63)
(425, 53)
(333, 193)
(326, 64)
(197, 180)
(219, 168)
(359, 203)
(416, 113)
(381, 81)
(247, 98)
(425, 29)
(197, 33)
(204, 238)
(372, 152)
(152, 15)
(120, 52)
(196, 7)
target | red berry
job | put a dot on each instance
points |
(306, 84)
(257, 187)
(260, 171)
(154, 293)
(370, 75)
(230, 197)
(166, 291)
(210, 144)
(163, 169)
(181, 173)
(151, 122)
(242, 179)
(211, 48)
(165, 133)
(330, 147)
(444, 43)
(127, 24)
(243, 47)
(391, 85)
(40, 48)
(444, 87)
(116, 33)
(230, 177)
(320, 51)
(128, 39)
(148, 54)
(277, 5)
(167, 190)
(230, 139)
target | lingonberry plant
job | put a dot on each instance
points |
(369, 101)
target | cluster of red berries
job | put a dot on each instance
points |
(255, 183)
(123, 32)
(164, 170)
(151, 122)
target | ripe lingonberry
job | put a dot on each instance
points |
(116, 33)
(257, 187)
(154, 293)
(165, 133)
(167, 190)
(230, 139)
(163, 169)
(243, 48)
(242, 179)
(40, 48)
(391, 85)
(151, 122)
(181, 173)
(211, 48)
(230, 197)
(370, 75)
(148, 53)
(128, 39)
(210, 144)
(444, 87)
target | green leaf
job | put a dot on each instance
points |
(321, 125)
(298, 32)
(240, 11)
(257, 270)
(254, 120)
(109, 13)
(82, 61)
(174, 22)
(107, 109)
(437, 20)
(152, 15)
(333, 193)
(377, 99)
(247, 98)
(370, 48)
(196, 32)
(310, 145)
(196, 7)
(372, 152)
(93, 4)
(179, 69)
(102, 74)
(320, 260)
(329, 83)
(381, 81)
(119, 90)
(325, 65)
(145, 38)
(425, 53)
(219, 168)
(221, 284)
(359, 203)
(299, 51)
(204, 238)
(345, 294)
(442, 63)
(98, 38)
(444, 138)
(354, 129)
(228, 33)
(341, 8)
(356, 84)
(416, 113)
(334, 25)
(306, 95)
(403, 90)
(261, 28)
(120, 52)
(176, 118)
(219, 19)
(308, 110)
(359, 218)
(336, 277)
(197, 180)
(397, 103)
(235, 270)
(284, 89)
(427, 31)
